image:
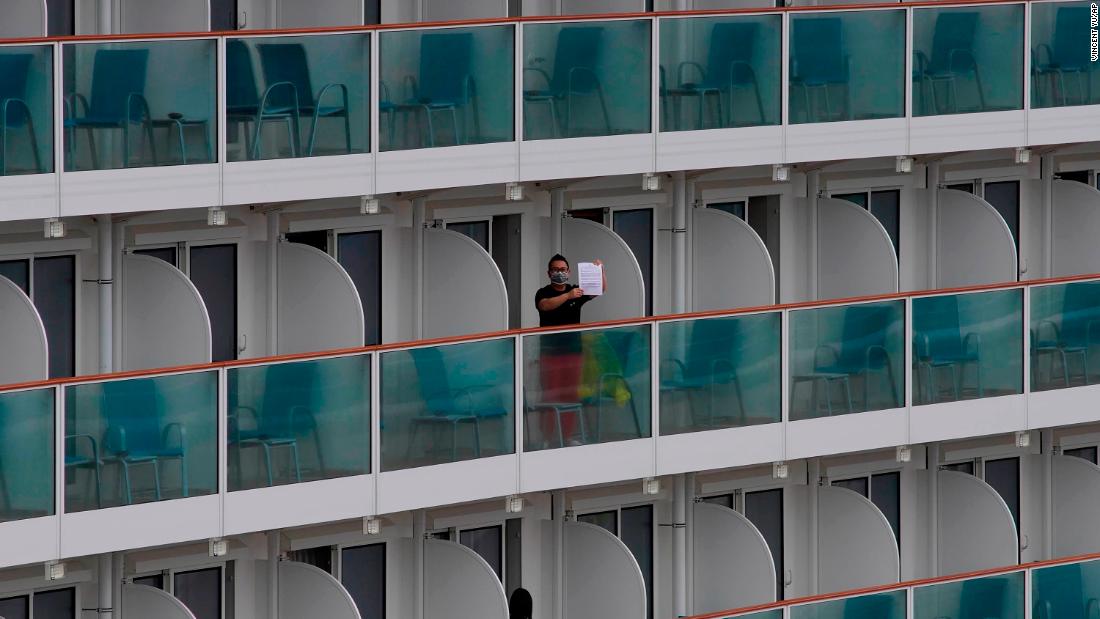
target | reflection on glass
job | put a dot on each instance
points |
(847, 66)
(967, 346)
(846, 359)
(720, 72)
(26, 110)
(447, 403)
(301, 421)
(1071, 590)
(1062, 69)
(1065, 329)
(26, 454)
(991, 596)
(446, 87)
(297, 96)
(887, 605)
(968, 59)
(765, 614)
(140, 104)
(586, 79)
(720, 373)
(582, 388)
(140, 440)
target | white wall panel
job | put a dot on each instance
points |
(584, 241)
(733, 566)
(1076, 498)
(23, 18)
(730, 266)
(855, 254)
(1076, 226)
(459, 584)
(976, 530)
(975, 245)
(463, 289)
(164, 320)
(317, 13)
(856, 545)
(319, 307)
(145, 602)
(22, 338)
(308, 592)
(602, 579)
(141, 16)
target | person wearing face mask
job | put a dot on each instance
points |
(559, 304)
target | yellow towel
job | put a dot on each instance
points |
(598, 359)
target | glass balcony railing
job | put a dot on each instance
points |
(299, 421)
(720, 373)
(968, 59)
(446, 87)
(885, 605)
(585, 79)
(1069, 590)
(140, 104)
(967, 346)
(140, 440)
(297, 96)
(448, 403)
(720, 72)
(846, 359)
(26, 121)
(776, 613)
(1062, 70)
(1001, 595)
(847, 65)
(587, 387)
(27, 454)
(1065, 329)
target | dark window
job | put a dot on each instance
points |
(201, 592)
(15, 608)
(1085, 453)
(737, 209)
(1081, 176)
(58, 604)
(764, 509)
(60, 18)
(155, 581)
(886, 495)
(506, 251)
(476, 230)
(764, 220)
(857, 485)
(363, 574)
(605, 520)
(320, 558)
(223, 15)
(636, 229)
(637, 527)
(967, 466)
(167, 254)
(445, 535)
(515, 8)
(513, 555)
(1004, 476)
(886, 207)
(19, 272)
(968, 186)
(317, 239)
(486, 542)
(372, 14)
(360, 253)
(213, 269)
(591, 214)
(1005, 197)
(855, 198)
(725, 500)
(55, 298)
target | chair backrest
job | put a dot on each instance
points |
(730, 43)
(1058, 592)
(1080, 306)
(432, 376)
(982, 598)
(954, 30)
(879, 606)
(938, 320)
(818, 51)
(240, 76)
(287, 387)
(133, 406)
(711, 342)
(117, 74)
(864, 326)
(14, 70)
(577, 46)
(287, 62)
(444, 66)
(1071, 31)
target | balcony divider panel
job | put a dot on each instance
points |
(1076, 220)
(602, 578)
(319, 306)
(975, 244)
(1075, 493)
(584, 240)
(308, 591)
(730, 265)
(164, 320)
(856, 546)
(855, 254)
(463, 290)
(22, 337)
(976, 529)
(732, 565)
(459, 583)
(146, 601)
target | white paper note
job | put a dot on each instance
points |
(590, 278)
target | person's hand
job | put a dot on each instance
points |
(598, 262)
(575, 293)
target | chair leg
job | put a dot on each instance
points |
(126, 483)
(297, 462)
(561, 433)
(454, 441)
(454, 122)
(185, 483)
(267, 464)
(413, 430)
(477, 437)
(156, 479)
(92, 147)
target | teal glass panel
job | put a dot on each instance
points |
(764, 614)
(26, 110)
(297, 96)
(141, 440)
(586, 79)
(1000, 596)
(1065, 331)
(448, 403)
(586, 387)
(26, 454)
(846, 359)
(1062, 68)
(968, 59)
(1071, 590)
(720, 72)
(446, 87)
(297, 422)
(887, 605)
(152, 103)
(967, 346)
(720, 373)
(847, 66)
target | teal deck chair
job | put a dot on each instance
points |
(117, 102)
(15, 113)
(289, 63)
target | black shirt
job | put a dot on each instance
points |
(568, 313)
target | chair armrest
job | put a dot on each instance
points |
(76, 439)
(412, 90)
(680, 81)
(922, 346)
(180, 435)
(114, 440)
(964, 53)
(1035, 57)
(306, 415)
(280, 86)
(922, 62)
(973, 341)
(879, 354)
(335, 85)
(825, 348)
(607, 378)
(591, 73)
(678, 365)
(545, 76)
(137, 99)
(235, 415)
(71, 108)
(8, 103)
